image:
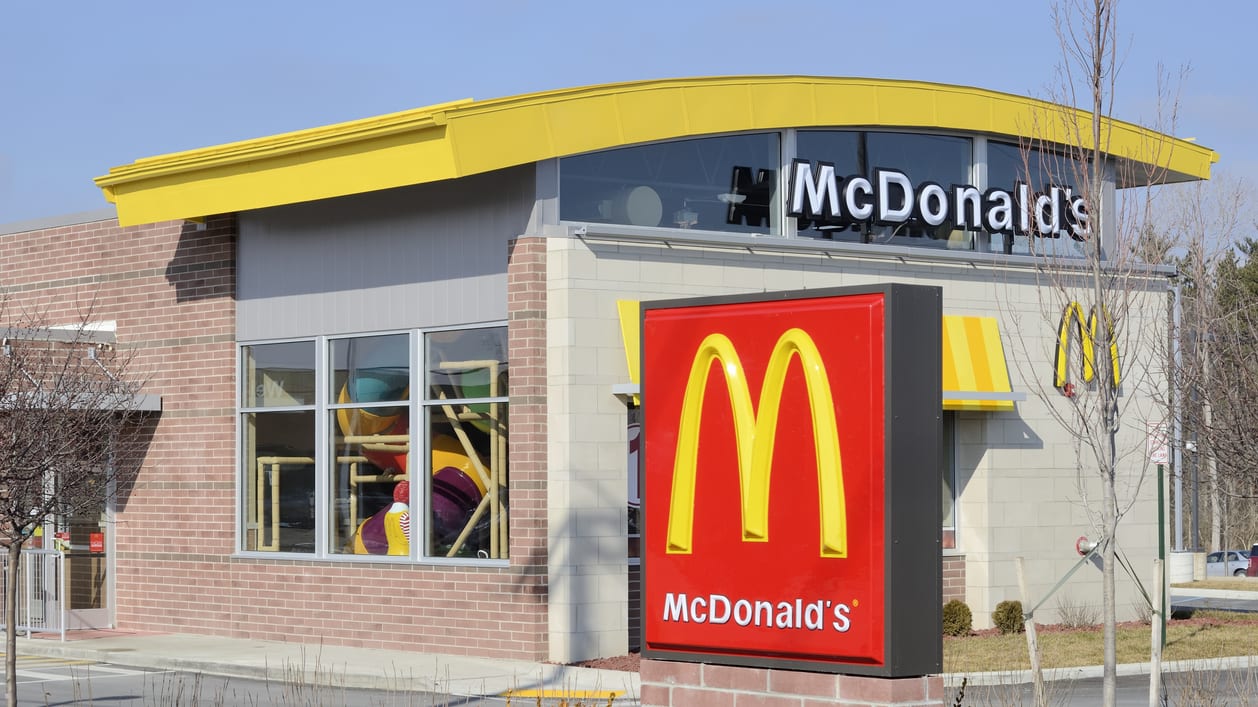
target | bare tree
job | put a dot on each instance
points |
(1216, 369)
(1098, 287)
(69, 436)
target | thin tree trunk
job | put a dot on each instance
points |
(1212, 469)
(1155, 648)
(10, 623)
(1105, 382)
(1109, 683)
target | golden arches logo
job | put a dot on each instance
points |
(1072, 322)
(754, 433)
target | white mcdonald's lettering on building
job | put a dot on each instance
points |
(889, 198)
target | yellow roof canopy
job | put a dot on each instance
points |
(462, 138)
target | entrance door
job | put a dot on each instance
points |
(85, 539)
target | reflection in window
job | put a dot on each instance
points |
(364, 468)
(939, 159)
(1008, 165)
(466, 412)
(278, 394)
(279, 374)
(716, 184)
(948, 470)
(634, 490)
(371, 445)
(280, 480)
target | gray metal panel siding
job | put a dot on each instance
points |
(429, 255)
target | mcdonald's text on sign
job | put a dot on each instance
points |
(782, 524)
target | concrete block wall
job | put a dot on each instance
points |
(588, 516)
(1019, 488)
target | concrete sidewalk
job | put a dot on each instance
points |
(366, 668)
(370, 668)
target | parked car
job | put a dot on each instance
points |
(1228, 563)
(1253, 562)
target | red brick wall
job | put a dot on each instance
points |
(953, 577)
(635, 607)
(171, 289)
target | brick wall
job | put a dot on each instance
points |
(171, 288)
(526, 344)
(635, 607)
(953, 577)
(667, 683)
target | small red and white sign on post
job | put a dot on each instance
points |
(1158, 441)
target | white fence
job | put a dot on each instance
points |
(41, 605)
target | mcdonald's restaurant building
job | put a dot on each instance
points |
(453, 291)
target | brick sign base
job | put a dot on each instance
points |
(674, 684)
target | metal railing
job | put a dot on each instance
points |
(41, 597)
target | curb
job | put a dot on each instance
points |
(1014, 677)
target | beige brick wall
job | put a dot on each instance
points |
(1020, 490)
(589, 584)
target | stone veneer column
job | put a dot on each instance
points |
(526, 352)
(675, 684)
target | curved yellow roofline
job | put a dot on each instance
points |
(467, 137)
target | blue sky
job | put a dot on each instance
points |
(87, 86)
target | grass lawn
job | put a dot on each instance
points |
(1208, 634)
(1204, 635)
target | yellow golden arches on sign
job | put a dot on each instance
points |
(754, 433)
(1072, 321)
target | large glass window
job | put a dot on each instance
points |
(1009, 165)
(923, 159)
(466, 414)
(278, 431)
(880, 187)
(369, 420)
(717, 184)
(948, 472)
(352, 492)
(634, 529)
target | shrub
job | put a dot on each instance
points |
(1144, 612)
(1008, 617)
(957, 619)
(1074, 614)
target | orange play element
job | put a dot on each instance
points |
(447, 452)
(364, 422)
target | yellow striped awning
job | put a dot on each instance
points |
(630, 336)
(975, 376)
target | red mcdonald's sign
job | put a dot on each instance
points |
(766, 537)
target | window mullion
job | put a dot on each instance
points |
(323, 466)
(417, 462)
